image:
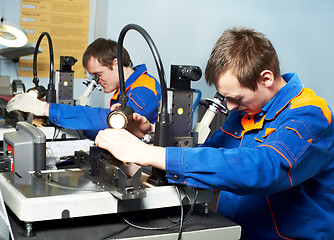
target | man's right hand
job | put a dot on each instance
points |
(119, 141)
(26, 103)
(139, 126)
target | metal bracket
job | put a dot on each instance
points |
(107, 171)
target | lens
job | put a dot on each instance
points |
(193, 73)
(117, 120)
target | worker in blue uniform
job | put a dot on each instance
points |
(99, 59)
(272, 160)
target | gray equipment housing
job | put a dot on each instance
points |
(26, 147)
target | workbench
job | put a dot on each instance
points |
(199, 226)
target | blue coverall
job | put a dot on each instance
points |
(144, 95)
(275, 170)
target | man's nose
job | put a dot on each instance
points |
(231, 105)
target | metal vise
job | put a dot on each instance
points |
(121, 180)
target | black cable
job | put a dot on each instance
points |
(149, 228)
(115, 233)
(79, 133)
(181, 217)
(179, 223)
(192, 206)
(54, 133)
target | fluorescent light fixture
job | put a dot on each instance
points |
(12, 36)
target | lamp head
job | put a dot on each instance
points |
(38, 91)
(120, 117)
(12, 36)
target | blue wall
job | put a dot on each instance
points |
(185, 31)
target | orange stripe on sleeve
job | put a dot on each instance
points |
(285, 159)
(135, 102)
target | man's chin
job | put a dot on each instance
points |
(246, 112)
(106, 90)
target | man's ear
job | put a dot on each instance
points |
(114, 62)
(267, 78)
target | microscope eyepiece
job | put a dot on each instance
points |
(96, 79)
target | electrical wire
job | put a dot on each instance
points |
(181, 217)
(192, 205)
(199, 96)
(175, 223)
(115, 233)
(54, 133)
(149, 228)
(79, 134)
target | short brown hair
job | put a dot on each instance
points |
(246, 52)
(105, 51)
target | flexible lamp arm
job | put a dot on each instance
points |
(51, 91)
(156, 58)
(163, 126)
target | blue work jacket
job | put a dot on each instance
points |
(144, 95)
(275, 171)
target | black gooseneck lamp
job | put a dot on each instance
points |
(163, 127)
(50, 93)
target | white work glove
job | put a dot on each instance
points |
(26, 103)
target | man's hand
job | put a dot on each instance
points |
(139, 126)
(26, 103)
(128, 148)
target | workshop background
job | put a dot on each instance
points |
(184, 32)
